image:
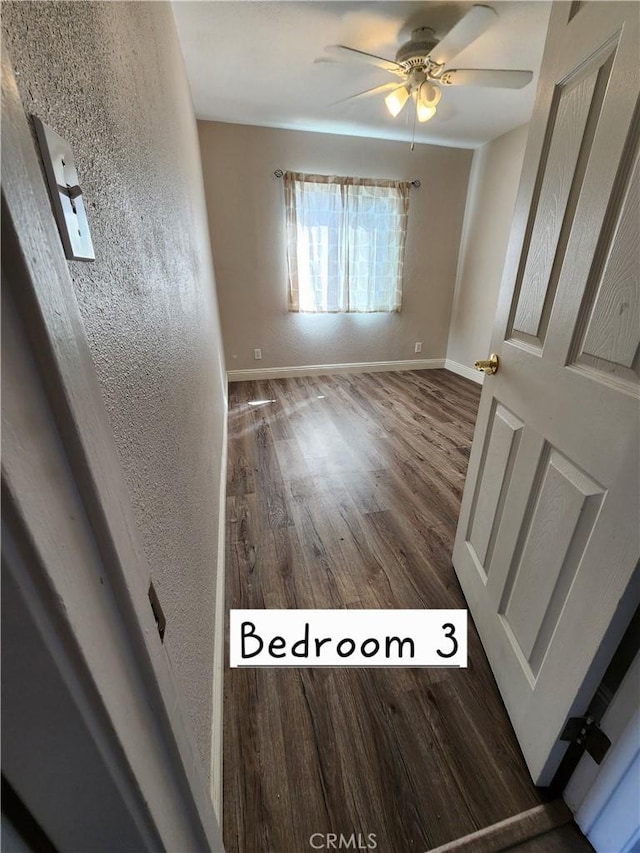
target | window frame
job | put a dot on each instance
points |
(350, 240)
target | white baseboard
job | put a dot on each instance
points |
(321, 369)
(218, 640)
(464, 370)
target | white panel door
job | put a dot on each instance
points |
(547, 541)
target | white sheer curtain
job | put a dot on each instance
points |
(345, 242)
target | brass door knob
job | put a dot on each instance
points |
(488, 365)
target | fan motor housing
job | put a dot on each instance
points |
(413, 52)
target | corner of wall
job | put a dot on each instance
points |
(464, 237)
(218, 645)
(486, 229)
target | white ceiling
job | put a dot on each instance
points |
(252, 62)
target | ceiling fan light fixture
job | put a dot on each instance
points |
(429, 95)
(424, 112)
(422, 64)
(396, 100)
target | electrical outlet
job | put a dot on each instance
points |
(418, 346)
(257, 354)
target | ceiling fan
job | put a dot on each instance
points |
(420, 66)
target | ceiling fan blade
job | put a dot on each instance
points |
(474, 23)
(386, 87)
(341, 51)
(491, 77)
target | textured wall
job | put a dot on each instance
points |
(246, 216)
(109, 77)
(493, 186)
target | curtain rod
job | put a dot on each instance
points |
(279, 173)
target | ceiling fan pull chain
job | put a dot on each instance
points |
(413, 131)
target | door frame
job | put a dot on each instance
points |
(40, 285)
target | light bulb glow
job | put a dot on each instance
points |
(424, 113)
(396, 100)
(429, 95)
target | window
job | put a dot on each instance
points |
(345, 243)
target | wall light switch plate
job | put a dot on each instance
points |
(65, 192)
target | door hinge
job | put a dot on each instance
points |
(586, 733)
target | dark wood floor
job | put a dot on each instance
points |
(344, 492)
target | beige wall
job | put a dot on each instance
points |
(493, 186)
(245, 203)
(109, 77)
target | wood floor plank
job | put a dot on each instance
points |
(240, 474)
(344, 492)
